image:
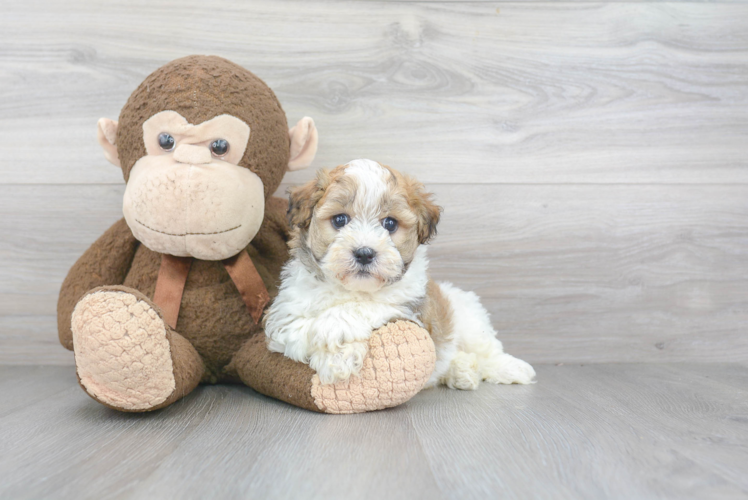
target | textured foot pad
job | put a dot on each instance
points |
(400, 361)
(121, 351)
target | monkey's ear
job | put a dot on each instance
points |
(303, 144)
(107, 135)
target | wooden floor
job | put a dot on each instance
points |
(632, 431)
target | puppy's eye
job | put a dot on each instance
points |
(219, 147)
(166, 141)
(340, 220)
(389, 224)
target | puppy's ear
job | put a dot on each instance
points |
(303, 199)
(426, 210)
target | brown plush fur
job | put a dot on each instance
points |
(213, 316)
(269, 373)
(200, 88)
(105, 263)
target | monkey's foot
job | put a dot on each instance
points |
(400, 361)
(123, 352)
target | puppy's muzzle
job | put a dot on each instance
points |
(364, 255)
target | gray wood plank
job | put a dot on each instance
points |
(227, 431)
(31, 340)
(598, 431)
(602, 273)
(68, 446)
(721, 374)
(273, 451)
(23, 386)
(675, 400)
(593, 431)
(569, 273)
(457, 92)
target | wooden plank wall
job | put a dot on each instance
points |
(591, 158)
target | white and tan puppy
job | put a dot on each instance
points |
(358, 261)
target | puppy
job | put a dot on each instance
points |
(358, 261)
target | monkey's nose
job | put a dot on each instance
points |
(194, 155)
(364, 255)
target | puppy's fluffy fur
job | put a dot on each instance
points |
(330, 300)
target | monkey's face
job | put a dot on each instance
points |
(196, 186)
(188, 196)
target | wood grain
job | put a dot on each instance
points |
(454, 92)
(579, 273)
(591, 157)
(591, 160)
(602, 431)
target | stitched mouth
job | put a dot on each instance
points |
(187, 234)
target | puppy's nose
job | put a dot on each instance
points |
(364, 255)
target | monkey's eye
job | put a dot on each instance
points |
(219, 147)
(389, 224)
(340, 220)
(166, 141)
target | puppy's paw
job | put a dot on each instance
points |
(341, 364)
(338, 326)
(463, 372)
(506, 369)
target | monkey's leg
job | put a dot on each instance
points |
(400, 361)
(126, 356)
(105, 263)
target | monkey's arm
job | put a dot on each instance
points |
(106, 262)
(399, 363)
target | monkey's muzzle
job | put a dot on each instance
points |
(207, 211)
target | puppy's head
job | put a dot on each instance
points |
(360, 224)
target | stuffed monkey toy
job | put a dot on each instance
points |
(173, 294)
